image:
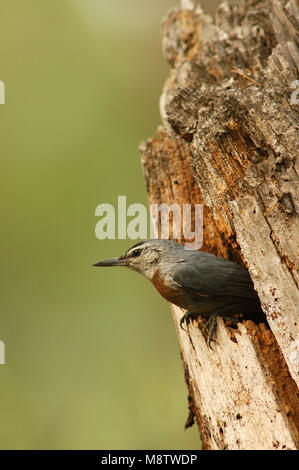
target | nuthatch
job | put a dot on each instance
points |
(196, 281)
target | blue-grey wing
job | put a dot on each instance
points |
(207, 275)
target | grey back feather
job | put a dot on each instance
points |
(209, 275)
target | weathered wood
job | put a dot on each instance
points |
(229, 139)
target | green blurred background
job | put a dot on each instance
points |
(92, 359)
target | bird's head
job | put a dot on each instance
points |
(144, 257)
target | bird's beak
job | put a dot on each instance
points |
(112, 262)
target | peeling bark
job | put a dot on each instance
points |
(229, 140)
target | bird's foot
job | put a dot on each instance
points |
(211, 324)
(210, 328)
(186, 318)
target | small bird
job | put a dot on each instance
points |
(199, 282)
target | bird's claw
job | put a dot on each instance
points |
(210, 325)
(182, 321)
(210, 328)
(185, 318)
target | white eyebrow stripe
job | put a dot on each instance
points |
(131, 250)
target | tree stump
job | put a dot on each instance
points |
(229, 140)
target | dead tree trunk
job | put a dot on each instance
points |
(229, 140)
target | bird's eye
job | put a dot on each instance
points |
(136, 253)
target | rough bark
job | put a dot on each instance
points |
(229, 140)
